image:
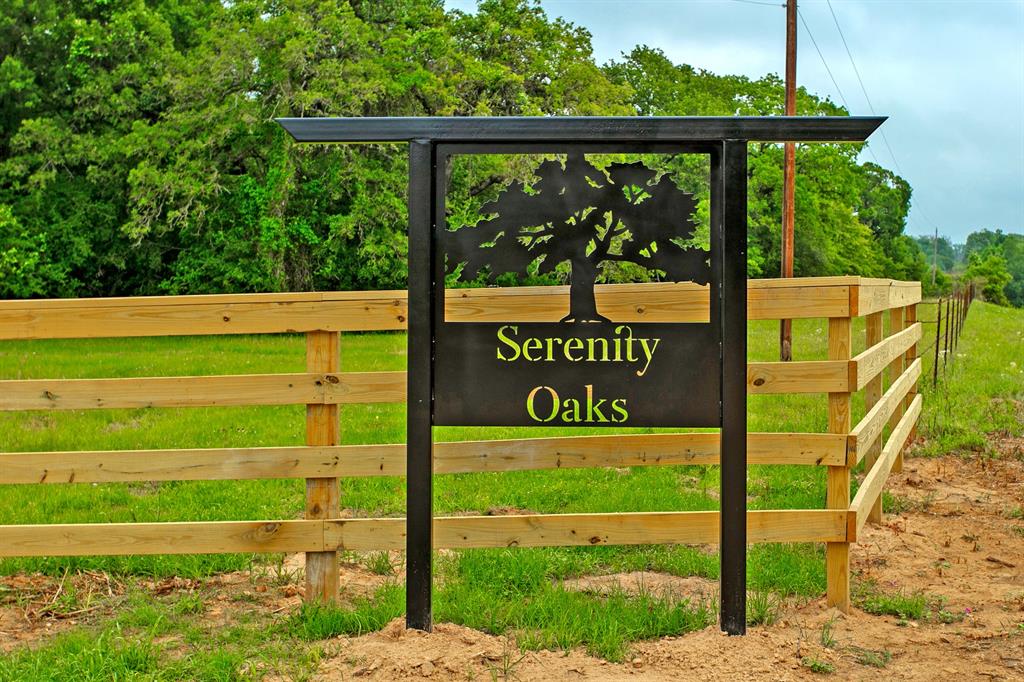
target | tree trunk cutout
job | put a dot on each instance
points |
(582, 303)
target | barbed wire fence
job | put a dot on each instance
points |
(950, 316)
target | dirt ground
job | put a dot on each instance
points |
(958, 534)
(957, 538)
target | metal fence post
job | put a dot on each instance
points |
(419, 417)
(938, 327)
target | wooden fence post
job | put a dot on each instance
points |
(837, 554)
(872, 394)
(896, 367)
(323, 427)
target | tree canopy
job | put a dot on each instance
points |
(138, 152)
(578, 214)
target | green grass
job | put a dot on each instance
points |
(514, 591)
(980, 391)
(156, 639)
(872, 599)
(314, 622)
(763, 608)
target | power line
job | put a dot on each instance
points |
(825, 63)
(850, 55)
(871, 106)
(856, 71)
(842, 97)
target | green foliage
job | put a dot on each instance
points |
(988, 269)
(138, 152)
(851, 217)
(1010, 247)
(980, 390)
(943, 248)
(986, 255)
(150, 638)
(871, 657)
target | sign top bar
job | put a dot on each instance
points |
(584, 128)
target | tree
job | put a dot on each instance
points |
(988, 268)
(1008, 245)
(579, 214)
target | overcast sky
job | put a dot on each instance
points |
(949, 74)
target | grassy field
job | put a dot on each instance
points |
(493, 590)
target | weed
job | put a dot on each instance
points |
(763, 608)
(896, 504)
(870, 657)
(947, 617)
(828, 637)
(276, 571)
(380, 563)
(511, 657)
(869, 597)
(189, 605)
(816, 665)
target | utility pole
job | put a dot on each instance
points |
(935, 254)
(788, 177)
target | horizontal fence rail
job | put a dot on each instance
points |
(453, 532)
(869, 429)
(871, 488)
(205, 391)
(887, 362)
(336, 461)
(387, 310)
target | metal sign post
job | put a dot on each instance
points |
(584, 369)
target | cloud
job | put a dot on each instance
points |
(950, 75)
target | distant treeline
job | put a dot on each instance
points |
(138, 152)
(993, 260)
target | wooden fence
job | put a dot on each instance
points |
(892, 406)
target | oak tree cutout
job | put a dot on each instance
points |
(588, 217)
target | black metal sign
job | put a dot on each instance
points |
(587, 368)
